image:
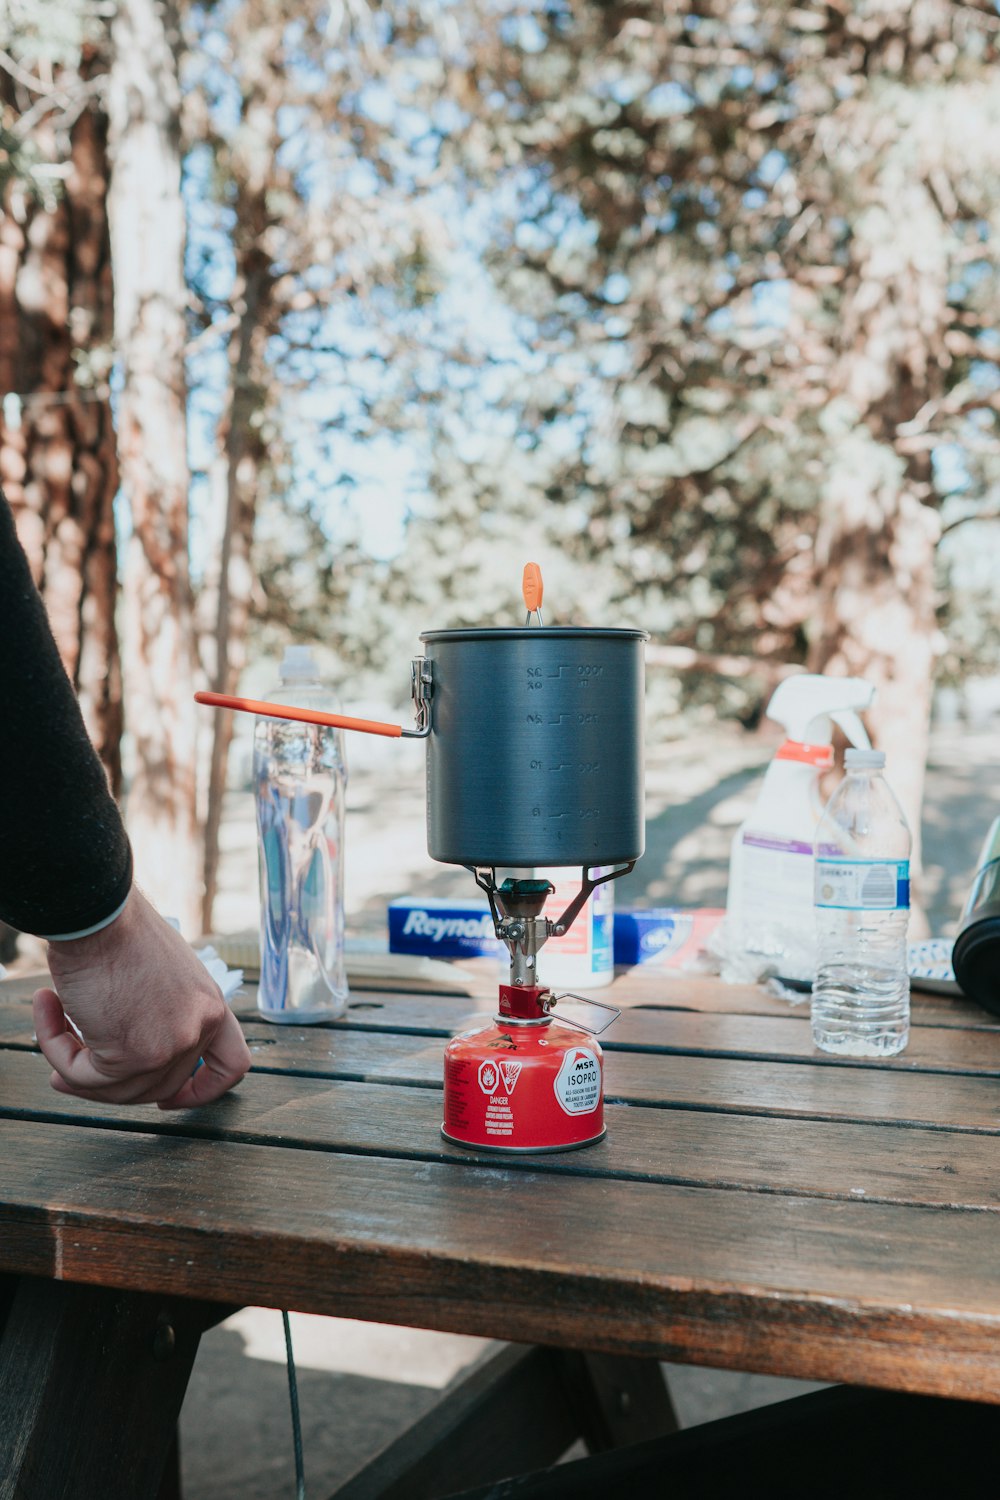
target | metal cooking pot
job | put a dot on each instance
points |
(535, 749)
(534, 743)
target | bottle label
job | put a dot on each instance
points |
(777, 901)
(863, 884)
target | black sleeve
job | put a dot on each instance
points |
(65, 861)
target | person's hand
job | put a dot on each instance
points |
(146, 1010)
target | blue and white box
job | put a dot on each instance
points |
(443, 929)
(664, 937)
(661, 937)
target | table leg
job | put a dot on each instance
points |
(870, 1444)
(170, 1480)
(511, 1403)
(619, 1399)
(522, 1407)
(91, 1385)
(8, 1285)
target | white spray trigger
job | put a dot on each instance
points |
(806, 703)
(853, 728)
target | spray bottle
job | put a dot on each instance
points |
(770, 922)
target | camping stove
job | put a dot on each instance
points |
(527, 1082)
(550, 721)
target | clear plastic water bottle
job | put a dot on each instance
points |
(300, 777)
(861, 994)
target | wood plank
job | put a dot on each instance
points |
(931, 1049)
(819, 1090)
(417, 1014)
(315, 1050)
(874, 1163)
(633, 989)
(901, 1297)
(945, 1048)
(645, 986)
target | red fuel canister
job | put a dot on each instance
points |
(525, 1082)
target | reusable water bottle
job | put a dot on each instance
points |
(861, 994)
(300, 776)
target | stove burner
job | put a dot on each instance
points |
(518, 920)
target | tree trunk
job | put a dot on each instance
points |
(58, 465)
(148, 234)
(245, 454)
(875, 615)
(875, 619)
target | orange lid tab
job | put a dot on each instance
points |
(531, 587)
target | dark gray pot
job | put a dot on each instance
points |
(535, 755)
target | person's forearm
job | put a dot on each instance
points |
(65, 861)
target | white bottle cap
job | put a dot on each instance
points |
(299, 665)
(864, 760)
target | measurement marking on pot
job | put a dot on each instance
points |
(581, 670)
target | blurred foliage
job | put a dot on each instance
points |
(969, 618)
(743, 272)
(660, 296)
(46, 51)
(760, 245)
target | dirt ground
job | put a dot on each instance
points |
(360, 1384)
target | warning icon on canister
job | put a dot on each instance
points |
(488, 1077)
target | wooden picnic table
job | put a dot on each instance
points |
(755, 1205)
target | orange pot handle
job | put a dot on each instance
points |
(302, 715)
